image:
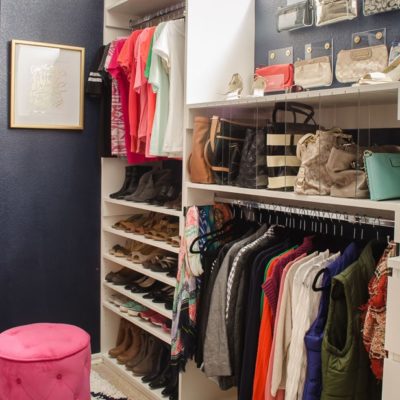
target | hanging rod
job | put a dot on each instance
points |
(313, 213)
(133, 23)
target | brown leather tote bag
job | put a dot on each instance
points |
(198, 168)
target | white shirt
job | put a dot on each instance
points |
(170, 46)
(283, 332)
(305, 312)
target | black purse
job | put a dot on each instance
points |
(224, 148)
(282, 137)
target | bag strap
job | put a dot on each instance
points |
(295, 108)
(213, 131)
(300, 142)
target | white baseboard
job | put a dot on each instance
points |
(97, 359)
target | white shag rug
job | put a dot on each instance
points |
(103, 390)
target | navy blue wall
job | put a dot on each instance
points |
(267, 38)
(49, 185)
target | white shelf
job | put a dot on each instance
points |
(142, 239)
(160, 276)
(157, 307)
(391, 205)
(136, 381)
(145, 207)
(141, 323)
(139, 8)
(387, 93)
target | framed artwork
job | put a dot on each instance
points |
(46, 86)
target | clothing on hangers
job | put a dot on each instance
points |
(262, 305)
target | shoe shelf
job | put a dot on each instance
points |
(142, 239)
(157, 307)
(145, 207)
(136, 381)
(159, 276)
(141, 323)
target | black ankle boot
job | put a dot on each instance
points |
(128, 175)
(136, 172)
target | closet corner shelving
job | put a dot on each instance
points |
(113, 172)
(358, 108)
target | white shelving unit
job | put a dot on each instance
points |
(351, 108)
(113, 173)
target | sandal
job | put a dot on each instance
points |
(172, 229)
(150, 221)
(174, 241)
(119, 251)
(164, 264)
(120, 225)
(138, 257)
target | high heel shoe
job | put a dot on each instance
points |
(390, 74)
(235, 87)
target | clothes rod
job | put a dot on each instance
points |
(160, 13)
(312, 213)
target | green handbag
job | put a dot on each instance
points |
(383, 174)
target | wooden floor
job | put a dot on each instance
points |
(118, 382)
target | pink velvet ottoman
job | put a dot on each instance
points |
(45, 362)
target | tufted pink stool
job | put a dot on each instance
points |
(45, 362)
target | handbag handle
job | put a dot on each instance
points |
(295, 108)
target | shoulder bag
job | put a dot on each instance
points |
(282, 139)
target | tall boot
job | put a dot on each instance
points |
(134, 347)
(144, 336)
(162, 360)
(137, 172)
(128, 175)
(148, 363)
(122, 340)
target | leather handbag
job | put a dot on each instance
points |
(313, 150)
(198, 168)
(332, 11)
(253, 165)
(351, 65)
(372, 7)
(383, 174)
(346, 168)
(277, 77)
(282, 139)
(348, 176)
(294, 16)
(223, 149)
(313, 73)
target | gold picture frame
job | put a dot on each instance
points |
(47, 86)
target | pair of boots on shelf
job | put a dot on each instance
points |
(143, 184)
(148, 357)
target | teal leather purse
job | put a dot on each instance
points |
(383, 174)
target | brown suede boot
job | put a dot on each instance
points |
(149, 362)
(133, 349)
(122, 339)
(144, 336)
